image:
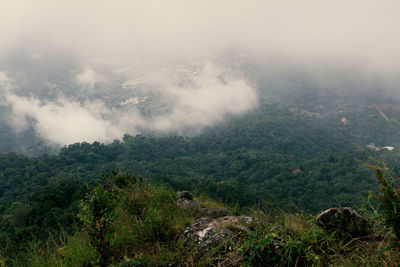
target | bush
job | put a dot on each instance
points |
(268, 247)
(389, 198)
(97, 214)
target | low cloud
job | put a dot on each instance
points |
(209, 98)
(64, 121)
(89, 78)
(201, 99)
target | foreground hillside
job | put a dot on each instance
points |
(123, 221)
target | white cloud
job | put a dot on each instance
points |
(209, 97)
(89, 78)
(6, 83)
(64, 121)
(207, 100)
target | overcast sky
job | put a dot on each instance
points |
(361, 31)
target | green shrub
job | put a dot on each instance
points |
(389, 198)
(264, 251)
(97, 214)
(285, 245)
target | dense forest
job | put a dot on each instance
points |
(273, 155)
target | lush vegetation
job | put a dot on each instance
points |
(271, 156)
(296, 156)
(389, 199)
(124, 221)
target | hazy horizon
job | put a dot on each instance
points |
(87, 43)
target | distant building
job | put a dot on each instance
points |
(377, 148)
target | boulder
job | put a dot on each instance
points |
(187, 204)
(345, 222)
(208, 232)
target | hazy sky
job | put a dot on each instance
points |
(151, 34)
(365, 31)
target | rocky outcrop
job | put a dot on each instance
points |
(213, 231)
(344, 221)
(207, 231)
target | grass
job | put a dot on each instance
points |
(149, 225)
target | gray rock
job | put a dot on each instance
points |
(345, 222)
(207, 231)
(214, 234)
(187, 204)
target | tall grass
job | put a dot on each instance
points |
(148, 225)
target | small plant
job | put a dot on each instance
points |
(285, 246)
(389, 199)
(132, 262)
(235, 209)
(97, 214)
(263, 250)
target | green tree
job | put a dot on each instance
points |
(98, 211)
(389, 198)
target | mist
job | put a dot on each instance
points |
(203, 99)
(142, 32)
(173, 48)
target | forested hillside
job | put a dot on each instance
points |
(269, 156)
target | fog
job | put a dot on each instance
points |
(149, 36)
(205, 98)
(152, 31)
